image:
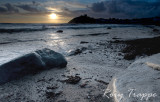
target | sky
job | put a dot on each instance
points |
(62, 11)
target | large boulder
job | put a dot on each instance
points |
(31, 63)
(139, 83)
(51, 58)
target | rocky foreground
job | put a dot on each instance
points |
(30, 64)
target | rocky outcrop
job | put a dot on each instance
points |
(84, 19)
(31, 63)
(139, 83)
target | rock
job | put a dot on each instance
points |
(52, 58)
(109, 28)
(72, 79)
(83, 42)
(60, 31)
(101, 81)
(119, 54)
(130, 56)
(52, 95)
(116, 38)
(31, 63)
(90, 51)
(42, 80)
(155, 30)
(77, 51)
(140, 47)
(138, 83)
(83, 85)
(52, 87)
(63, 101)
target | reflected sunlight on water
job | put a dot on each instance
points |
(58, 42)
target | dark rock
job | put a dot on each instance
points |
(52, 87)
(101, 81)
(119, 54)
(42, 80)
(116, 41)
(52, 58)
(83, 42)
(52, 95)
(63, 101)
(116, 38)
(90, 51)
(77, 51)
(109, 28)
(93, 34)
(139, 47)
(129, 56)
(72, 79)
(60, 31)
(30, 64)
(50, 79)
(155, 30)
(83, 85)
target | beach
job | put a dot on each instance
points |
(94, 53)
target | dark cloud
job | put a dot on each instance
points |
(34, 7)
(35, 3)
(28, 8)
(69, 13)
(98, 7)
(11, 8)
(3, 10)
(65, 9)
(126, 9)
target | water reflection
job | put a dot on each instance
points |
(57, 42)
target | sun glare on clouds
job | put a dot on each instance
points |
(53, 16)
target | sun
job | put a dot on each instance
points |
(53, 16)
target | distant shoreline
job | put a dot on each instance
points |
(84, 19)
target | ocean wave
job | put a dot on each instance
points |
(92, 26)
(93, 34)
(18, 30)
(17, 41)
(82, 27)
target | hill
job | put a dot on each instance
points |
(84, 19)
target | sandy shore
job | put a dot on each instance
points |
(96, 65)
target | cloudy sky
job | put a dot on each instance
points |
(44, 11)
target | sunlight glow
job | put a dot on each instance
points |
(53, 16)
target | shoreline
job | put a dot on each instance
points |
(95, 65)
